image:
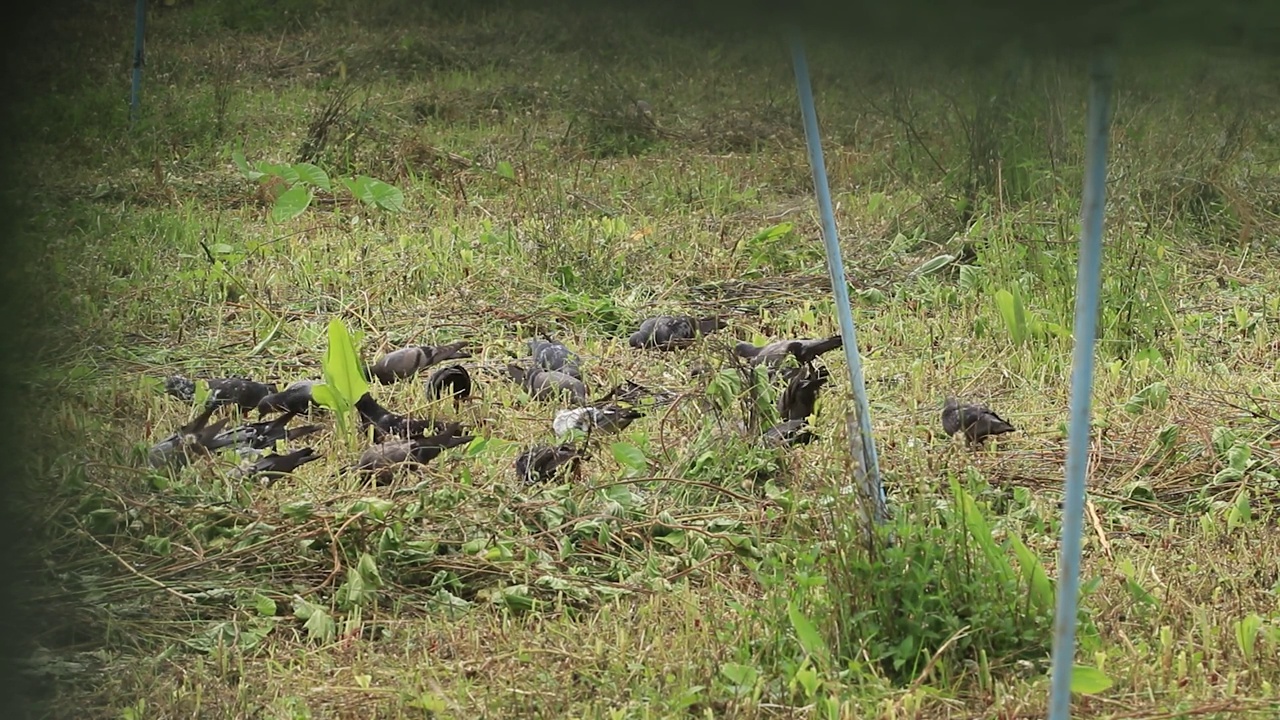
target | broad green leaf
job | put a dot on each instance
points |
(312, 175)
(221, 249)
(388, 197)
(1035, 576)
(810, 639)
(342, 371)
(980, 531)
(239, 159)
(324, 396)
(283, 171)
(934, 265)
(629, 456)
(1088, 680)
(1013, 314)
(264, 605)
(505, 170)
(291, 203)
(1247, 634)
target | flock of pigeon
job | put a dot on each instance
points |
(551, 371)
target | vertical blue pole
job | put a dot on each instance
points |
(139, 33)
(1088, 281)
(873, 490)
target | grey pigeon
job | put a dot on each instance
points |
(261, 435)
(541, 463)
(450, 381)
(274, 466)
(192, 438)
(381, 460)
(409, 361)
(668, 332)
(773, 354)
(551, 355)
(978, 422)
(543, 384)
(239, 391)
(295, 399)
(801, 394)
(384, 422)
(789, 432)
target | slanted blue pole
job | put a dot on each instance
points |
(1087, 283)
(139, 33)
(873, 490)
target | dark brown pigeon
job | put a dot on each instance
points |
(384, 422)
(382, 459)
(274, 466)
(541, 463)
(668, 332)
(261, 435)
(191, 439)
(543, 384)
(773, 354)
(789, 432)
(409, 361)
(977, 421)
(294, 399)
(450, 381)
(240, 391)
(551, 355)
(605, 418)
(801, 394)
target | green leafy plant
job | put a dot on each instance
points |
(302, 179)
(344, 381)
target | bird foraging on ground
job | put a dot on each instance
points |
(789, 432)
(409, 361)
(261, 435)
(240, 391)
(295, 399)
(451, 381)
(608, 418)
(801, 394)
(274, 466)
(541, 463)
(774, 353)
(549, 354)
(384, 422)
(543, 384)
(670, 332)
(193, 438)
(380, 460)
(978, 422)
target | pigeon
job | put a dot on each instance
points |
(543, 384)
(609, 418)
(409, 361)
(274, 466)
(295, 399)
(176, 450)
(977, 421)
(789, 432)
(774, 353)
(384, 422)
(381, 460)
(551, 355)
(453, 381)
(261, 435)
(541, 463)
(667, 332)
(801, 394)
(239, 391)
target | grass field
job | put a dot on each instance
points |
(689, 571)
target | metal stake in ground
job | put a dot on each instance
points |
(869, 481)
(1087, 283)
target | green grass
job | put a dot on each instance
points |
(692, 573)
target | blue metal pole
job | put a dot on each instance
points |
(1088, 281)
(835, 265)
(139, 33)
